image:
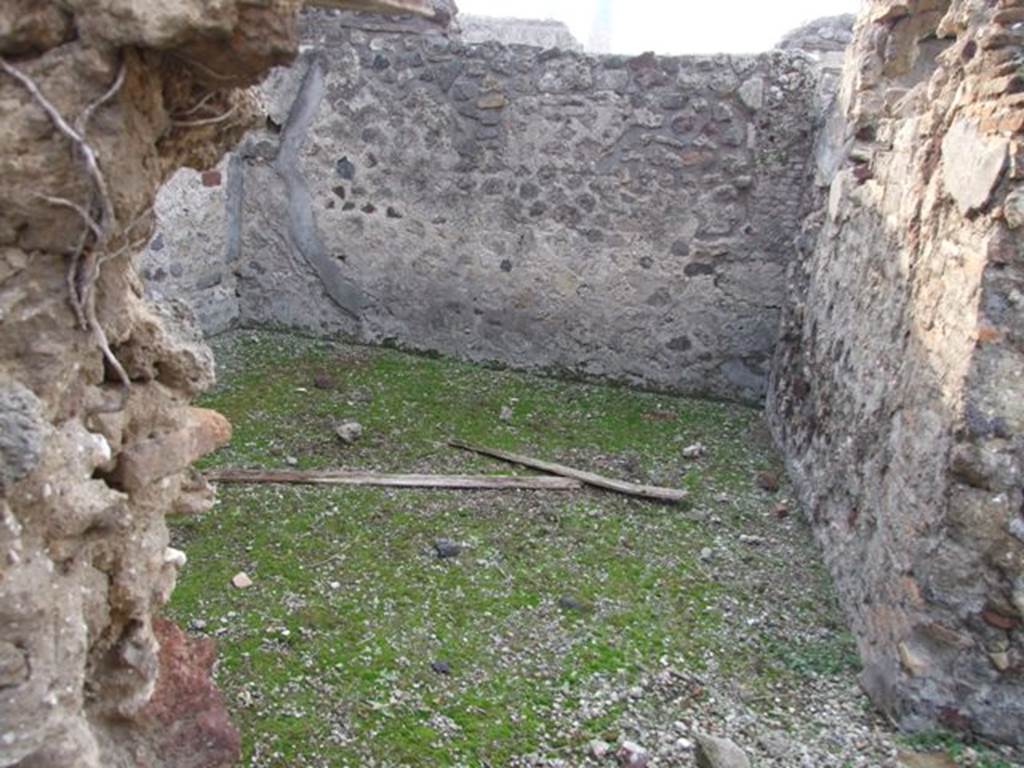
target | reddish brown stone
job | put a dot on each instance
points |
(211, 178)
(862, 172)
(769, 481)
(189, 724)
(1011, 124)
(988, 335)
(955, 720)
(148, 461)
(995, 619)
(1009, 16)
(694, 157)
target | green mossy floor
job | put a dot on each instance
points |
(556, 598)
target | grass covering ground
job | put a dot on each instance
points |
(566, 617)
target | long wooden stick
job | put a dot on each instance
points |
(341, 477)
(654, 493)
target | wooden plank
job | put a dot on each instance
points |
(344, 477)
(654, 493)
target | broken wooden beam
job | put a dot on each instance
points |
(651, 492)
(377, 479)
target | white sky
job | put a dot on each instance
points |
(675, 26)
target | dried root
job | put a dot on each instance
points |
(194, 116)
(193, 110)
(205, 120)
(82, 123)
(104, 344)
(98, 216)
(91, 224)
(77, 138)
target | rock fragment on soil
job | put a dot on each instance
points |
(569, 603)
(241, 580)
(446, 549)
(599, 749)
(776, 744)
(632, 755)
(768, 481)
(695, 451)
(349, 431)
(713, 752)
(323, 381)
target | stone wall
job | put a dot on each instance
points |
(536, 32)
(898, 392)
(621, 217)
(825, 37)
(101, 100)
(192, 253)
